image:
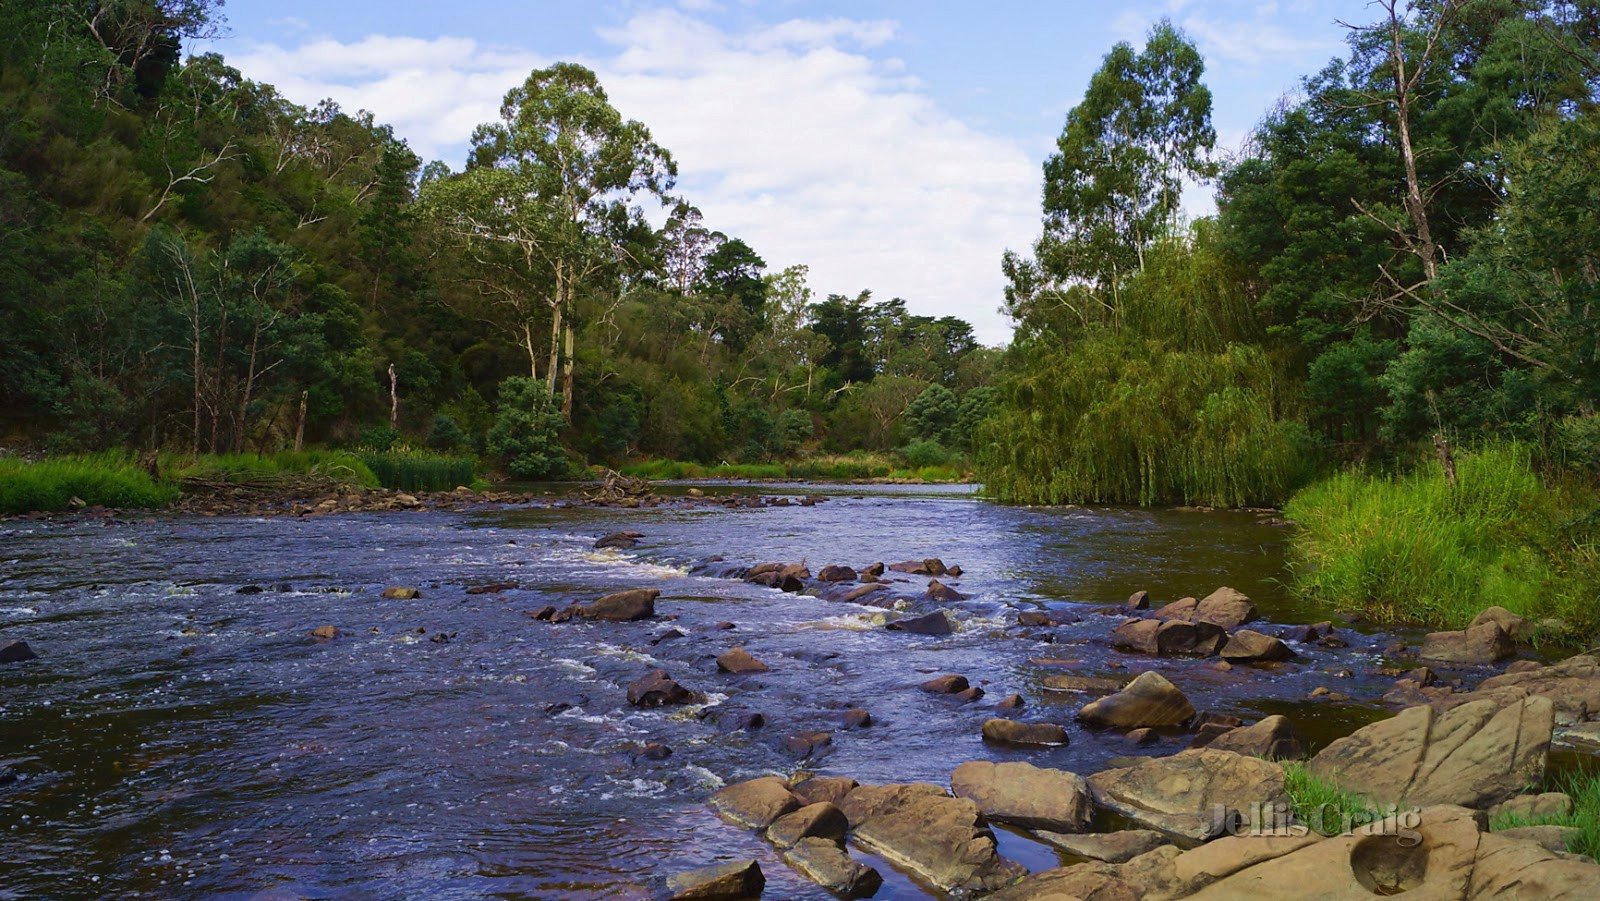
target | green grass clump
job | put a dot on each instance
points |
(51, 485)
(1322, 805)
(1414, 549)
(412, 470)
(341, 466)
(1584, 790)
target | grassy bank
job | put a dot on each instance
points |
(840, 468)
(1411, 548)
(51, 485)
(1584, 790)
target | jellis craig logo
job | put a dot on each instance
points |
(1278, 819)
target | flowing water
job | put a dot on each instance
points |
(179, 738)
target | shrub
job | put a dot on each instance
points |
(526, 432)
(379, 438)
(923, 453)
(445, 434)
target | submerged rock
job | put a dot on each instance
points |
(935, 623)
(1012, 732)
(622, 606)
(1025, 795)
(944, 840)
(734, 881)
(807, 743)
(1474, 755)
(657, 689)
(325, 633)
(857, 718)
(402, 593)
(1149, 700)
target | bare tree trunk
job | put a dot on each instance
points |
(1447, 458)
(1425, 249)
(555, 346)
(533, 356)
(394, 400)
(300, 423)
(566, 375)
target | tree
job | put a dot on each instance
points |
(932, 415)
(526, 432)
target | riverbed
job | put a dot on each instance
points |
(180, 738)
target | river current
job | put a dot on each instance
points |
(179, 738)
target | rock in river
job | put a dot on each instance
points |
(1181, 795)
(1025, 795)
(734, 881)
(402, 593)
(1169, 638)
(828, 864)
(1246, 646)
(1224, 607)
(739, 662)
(938, 591)
(1149, 700)
(1112, 847)
(824, 788)
(657, 689)
(16, 652)
(944, 840)
(1474, 755)
(836, 573)
(1272, 739)
(1481, 644)
(619, 540)
(819, 820)
(948, 684)
(622, 606)
(934, 623)
(1012, 732)
(755, 804)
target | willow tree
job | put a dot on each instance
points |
(554, 181)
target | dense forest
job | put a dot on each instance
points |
(190, 261)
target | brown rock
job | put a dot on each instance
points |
(657, 689)
(1474, 755)
(934, 623)
(829, 865)
(944, 840)
(836, 573)
(817, 789)
(1245, 646)
(972, 693)
(856, 718)
(736, 881)
(1087, 684)
(807, 742)
(739, 662)
(1548, 805)
(1011, 702)
(401, 593)
(1025, 795)
(325, 633)
(1139, 600)
(820, 820)
(1015, 733)
(1482, 644)
(1509, 622)
(1572, 686)
(1225, 607)
(948, 684)
(620, 540)
(1033, 618)
(938, 591)
(1180, 795)
(861, 591)
(754, 804)
(622, 606)
(1149, 700)
(1273, 738)
(1111, 847)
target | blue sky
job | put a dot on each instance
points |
(891, 145)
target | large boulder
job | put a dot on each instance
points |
(1149, 700)
(1273, 738)
(622, 606)
(827, 864)
(1189, 795)
(1246, 646)
(1168, 638)
(944, 840)
(1572, 686)
(1482, 644)
(1509, 622)
(1025, 795)
(1014, 732)
(733, 881)
(819, 820)
(1224, 607)
(1474, 755)
(754, 804)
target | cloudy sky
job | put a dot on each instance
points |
(888, 144)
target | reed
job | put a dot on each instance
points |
(412, 470)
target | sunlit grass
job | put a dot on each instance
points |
(51, 485)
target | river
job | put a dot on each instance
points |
(180, 738)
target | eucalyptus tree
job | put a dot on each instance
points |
(552, 182)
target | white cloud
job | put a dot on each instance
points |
(791, 136)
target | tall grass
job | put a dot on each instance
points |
(341, 466)
(1322, 805)
(1412, 548)
(411, 470)
(1584, 790)
(51, 485)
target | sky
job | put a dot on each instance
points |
(891, 145)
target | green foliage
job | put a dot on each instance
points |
(411, 470)
(1583, 787)
(380, 438)
(526, 436)
(1323, 806)
(922, 453)
(1411, 548)
(795, 428)
(51, 485)
(341, 466)
(932, 415)
(445, 434)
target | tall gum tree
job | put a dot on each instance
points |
(551, 180)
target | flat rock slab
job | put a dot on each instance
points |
(1182, 795)
(755, 804)
(1273, 738)
(1474, 755)
(944, 840)
(722, 882)
(1025, 795)
(1573, 686)
(1111, 847)
(1013, 732)
(1479, 645)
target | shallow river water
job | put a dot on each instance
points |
(178, 738)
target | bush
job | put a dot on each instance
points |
(794, 430)
(379, 438)
(933, 414)
(445, 434)
(1412, 548)
(51, 485)
(923, 453)
(526, 432)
